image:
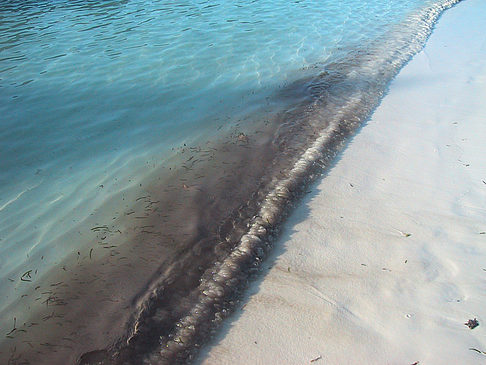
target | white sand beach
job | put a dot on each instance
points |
(385, 259)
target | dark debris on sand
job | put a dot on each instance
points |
(472, 323)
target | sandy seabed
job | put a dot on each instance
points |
(385, 260)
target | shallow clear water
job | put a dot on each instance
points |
(88, 86)
(97, 92)
(96, 95)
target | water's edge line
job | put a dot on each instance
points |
(231, 274)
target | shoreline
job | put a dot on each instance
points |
(166, 299)
(384, 259)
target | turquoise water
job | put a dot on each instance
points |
(97, 95)
(99, 92)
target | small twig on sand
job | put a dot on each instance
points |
(404, 234)
(479, 351)
(316, 359)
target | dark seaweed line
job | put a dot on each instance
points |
(217, 294)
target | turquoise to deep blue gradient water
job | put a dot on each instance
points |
(96, 95)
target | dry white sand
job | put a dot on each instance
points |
(385, 260)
